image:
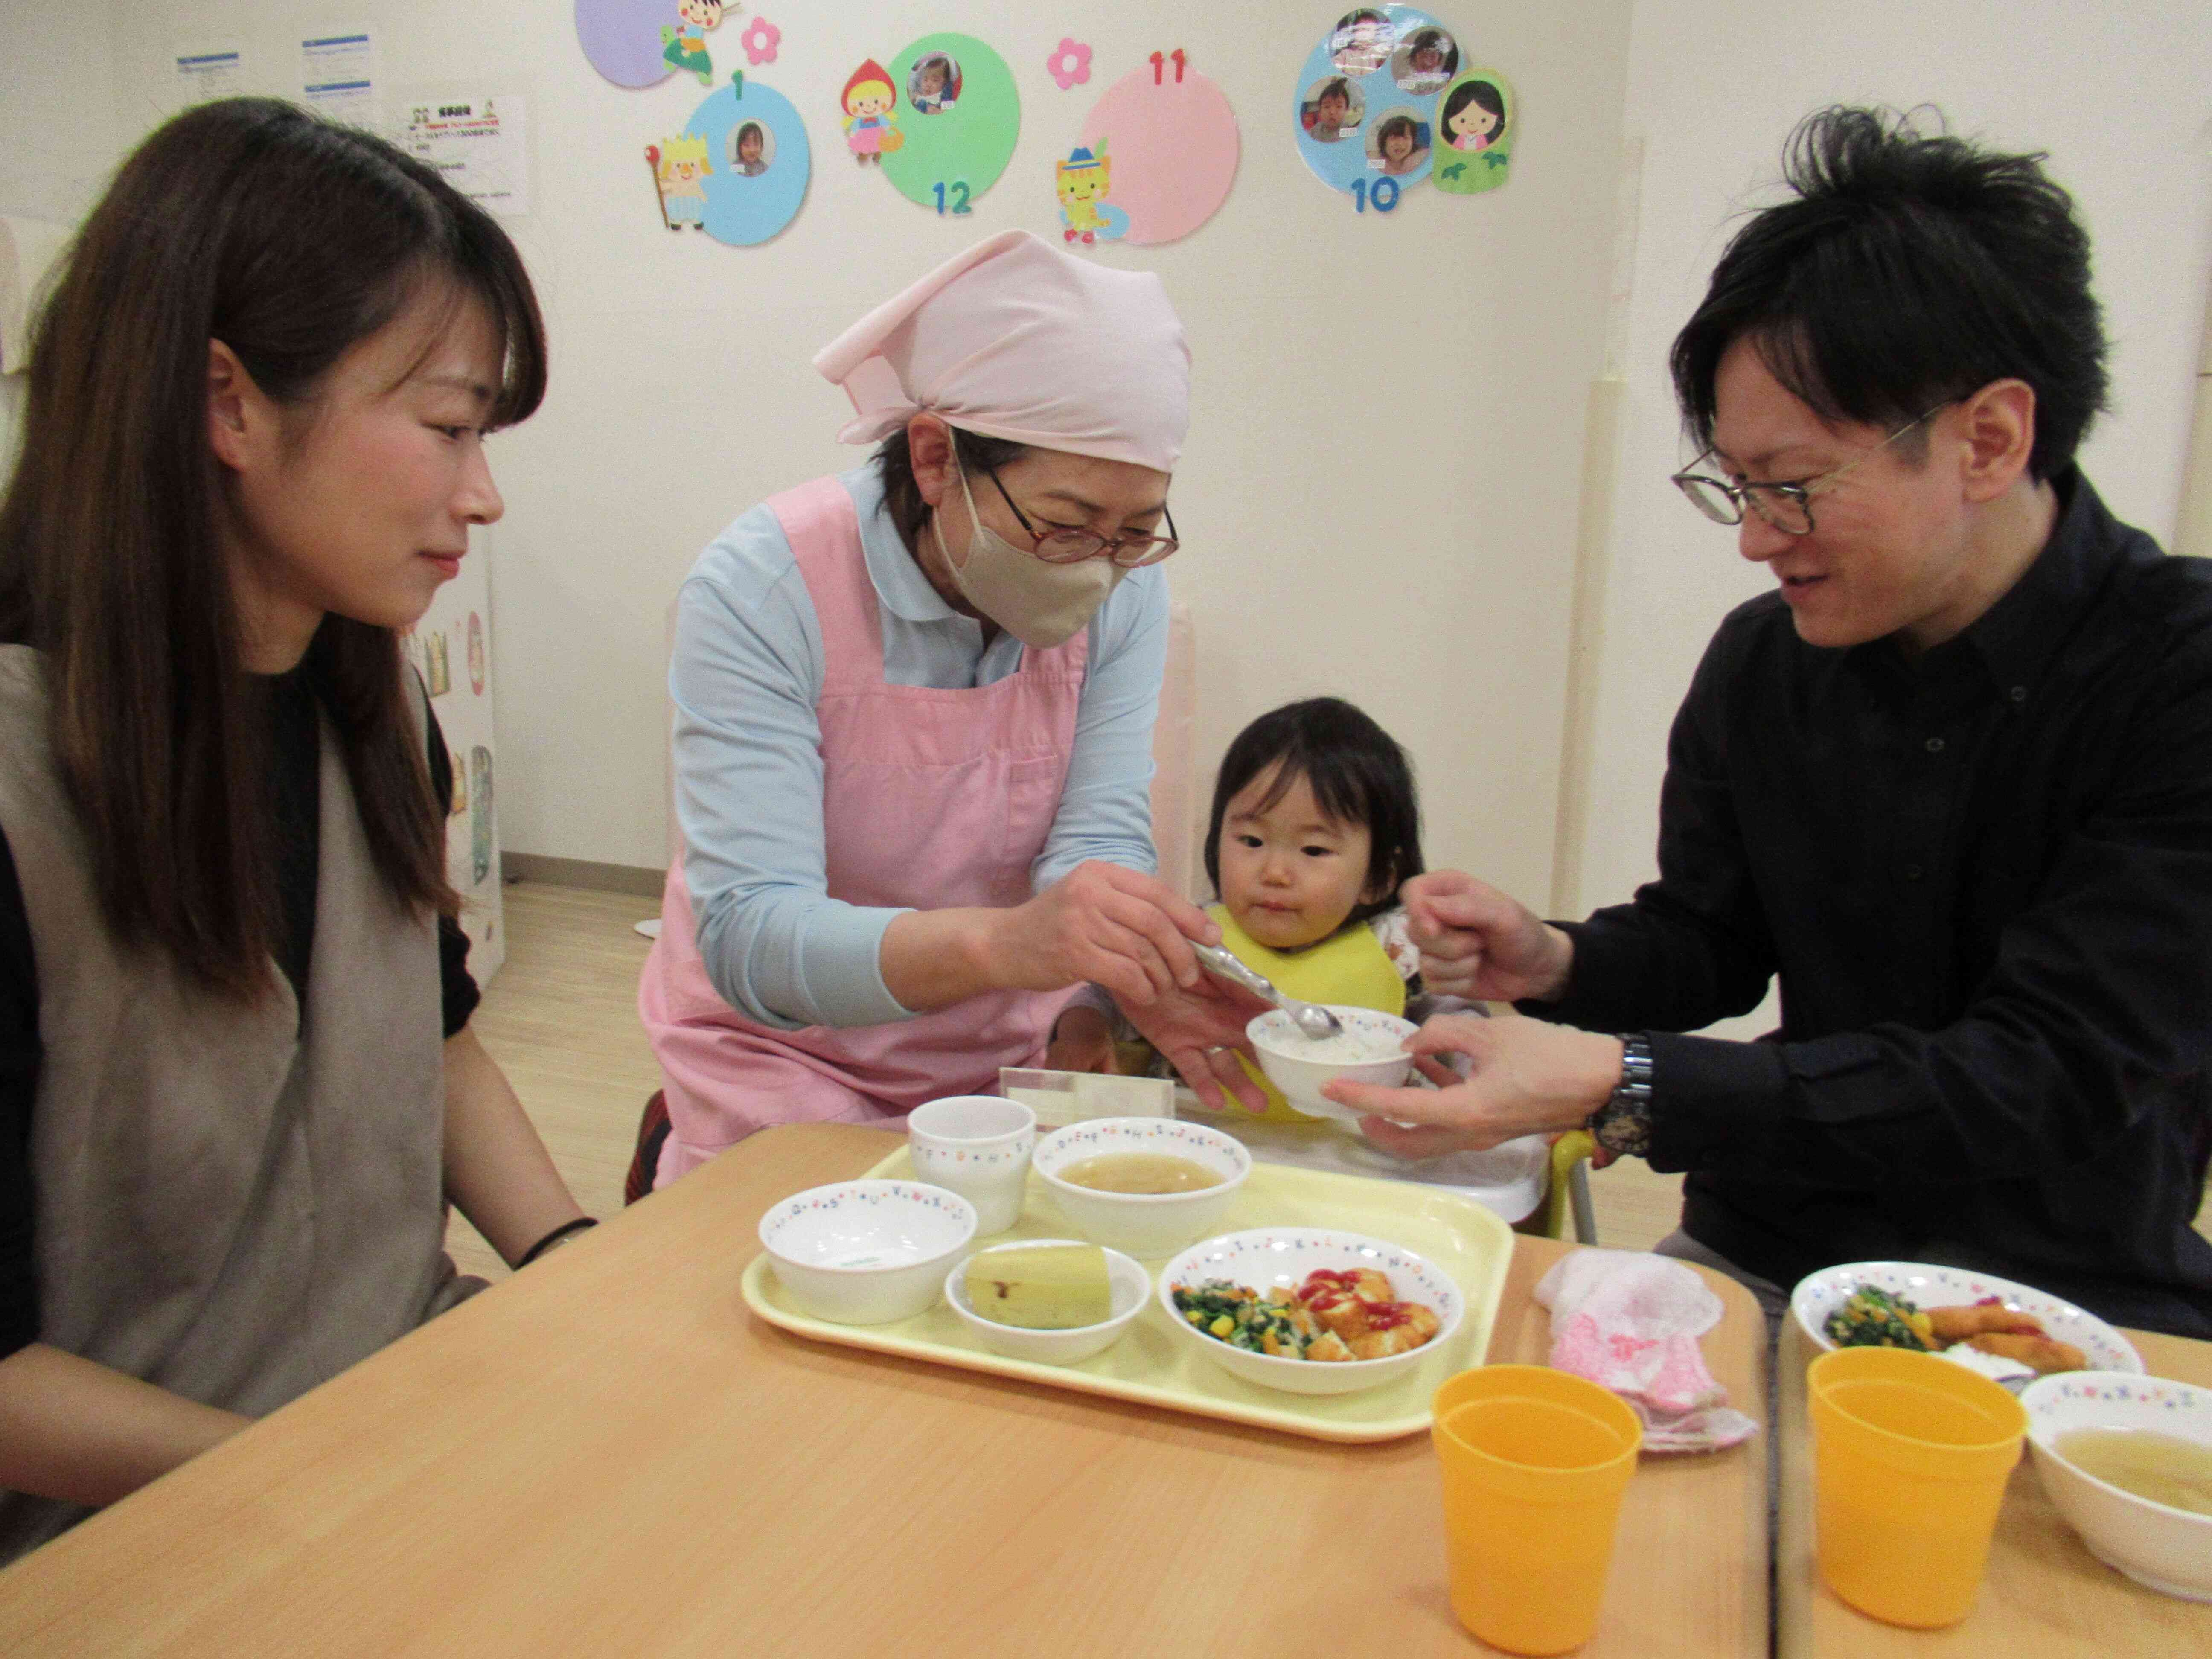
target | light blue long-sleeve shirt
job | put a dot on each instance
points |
(747, 677)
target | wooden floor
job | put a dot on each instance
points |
(562, 1020)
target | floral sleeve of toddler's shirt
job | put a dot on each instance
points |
(1394, 932)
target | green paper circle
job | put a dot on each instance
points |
(969, 144)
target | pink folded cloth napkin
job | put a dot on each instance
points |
(1629, 1322)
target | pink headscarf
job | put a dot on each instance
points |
(1015, 339)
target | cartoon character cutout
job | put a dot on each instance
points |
(684, 44)
(1081, 182)
(1474, 117)
(679, 168)
(870, 131)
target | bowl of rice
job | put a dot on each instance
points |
(1372, 1049)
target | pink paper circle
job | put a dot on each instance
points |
(1173, 147)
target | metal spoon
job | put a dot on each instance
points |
(1310, 1018)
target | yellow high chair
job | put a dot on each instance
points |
(1570, 1192)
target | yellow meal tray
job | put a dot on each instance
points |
(1153, 1365)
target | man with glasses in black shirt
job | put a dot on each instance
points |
(1952, 782)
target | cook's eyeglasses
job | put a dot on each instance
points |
(1061, 543)
(1788, 505)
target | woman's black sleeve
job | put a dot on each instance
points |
(21, 1054)
(458, 984)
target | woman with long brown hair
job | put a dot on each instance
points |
(237, 1084)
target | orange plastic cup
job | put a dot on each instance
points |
(1534, 1462)
(1910, 1454)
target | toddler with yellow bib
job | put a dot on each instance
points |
(1315, 826)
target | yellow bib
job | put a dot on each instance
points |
(1350, 967)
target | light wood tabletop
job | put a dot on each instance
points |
(610, 1454)
(2045, 1596)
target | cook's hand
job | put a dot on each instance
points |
(1479, 944)
(1100, 922)
(1524, 1077)
(1201, 1031)
(1082, 1042)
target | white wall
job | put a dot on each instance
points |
(681, 392)
(1379, 493)
(58, 135)
(2119, 96)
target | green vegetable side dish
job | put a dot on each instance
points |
(1875, 1318)
(1232, 1313)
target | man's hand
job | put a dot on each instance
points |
(1100, 922)
(1525, 1076)
(1479, 944)
(1201, 1031)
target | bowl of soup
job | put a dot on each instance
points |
(2127, 1460)
(1144, 1185)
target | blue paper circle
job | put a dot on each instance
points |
(743, 211)
(1338, 165)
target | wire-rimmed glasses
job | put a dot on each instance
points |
(1787, 504)
(1061, 543)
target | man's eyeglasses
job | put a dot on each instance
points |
(1786, 505)
(1061, 543)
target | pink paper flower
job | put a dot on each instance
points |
(1069, 64)
(760, 41)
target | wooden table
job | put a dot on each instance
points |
(2045, 1595)
(610, 1454)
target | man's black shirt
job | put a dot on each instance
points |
(1985, 879)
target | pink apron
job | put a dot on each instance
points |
(931, 799)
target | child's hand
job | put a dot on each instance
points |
(1081, 1043)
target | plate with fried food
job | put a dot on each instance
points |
(2013, 1333)
(1307, 1309)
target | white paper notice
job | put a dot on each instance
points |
(336, 76)
(478, 144)
(206, 72)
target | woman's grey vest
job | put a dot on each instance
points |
(230, 1202)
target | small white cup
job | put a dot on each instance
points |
(979, 1147)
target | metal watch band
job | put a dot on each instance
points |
(1623, 1125)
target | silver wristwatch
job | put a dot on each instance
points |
(1623, 1124)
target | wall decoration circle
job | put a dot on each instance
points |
(1159, 153)
(640, 43)
(740, 169)
(1365, 108)
(958, 114)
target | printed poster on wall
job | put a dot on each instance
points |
(480, 145)
(207, 71)
(338, 75)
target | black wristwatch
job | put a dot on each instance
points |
(1623, 1124)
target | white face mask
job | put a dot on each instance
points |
(1040, 604)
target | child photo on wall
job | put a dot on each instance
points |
(1333, 110)
(1361, 41)
(1425, 60)
(1399, 144)
(753, 146)
(933, 85)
